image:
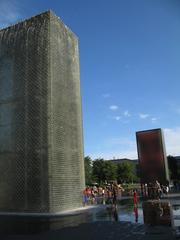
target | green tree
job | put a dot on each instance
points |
(104, 171)
(173, 168)
(110, 171)
(98, 170)
(125, 172)
(88, 170)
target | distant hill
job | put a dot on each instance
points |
(132, 161)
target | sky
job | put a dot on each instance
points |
(129, 64)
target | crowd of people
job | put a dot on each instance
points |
(107, 194)
(154, 190)
(110, 194)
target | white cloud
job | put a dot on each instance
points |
(9, 13)
(106, 95)
(116, 147)
(117, 118)
(127, 114)
(143, 115)
(113, 107)
(172, 140)
(122, 147)
(154, 120)
(115, 154)
(126, 147)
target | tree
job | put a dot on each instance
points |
(125, 172)
(88, 170)
(104, 171)
(173, 168)
(98, 170)
(110, 171)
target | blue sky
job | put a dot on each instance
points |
(130, 58)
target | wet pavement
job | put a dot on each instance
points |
(101, 230)
(99, 222)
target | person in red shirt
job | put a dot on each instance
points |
(135, 197)
(135, 201)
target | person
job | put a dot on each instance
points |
(114, 193)
(85, 197)
(145, 190)
(115, 213)
(136, 213)
(93, 196)
(165, 189)
(158, 189)
(135, 197)
(120, 190)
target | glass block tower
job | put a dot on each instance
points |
(41, 145)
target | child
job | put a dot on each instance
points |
(135, 197)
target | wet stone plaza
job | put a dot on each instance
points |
(93, 222)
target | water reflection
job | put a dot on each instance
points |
(125, 211)
(136, 213)
(158, 212)
(131, 213)
(112, 212)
